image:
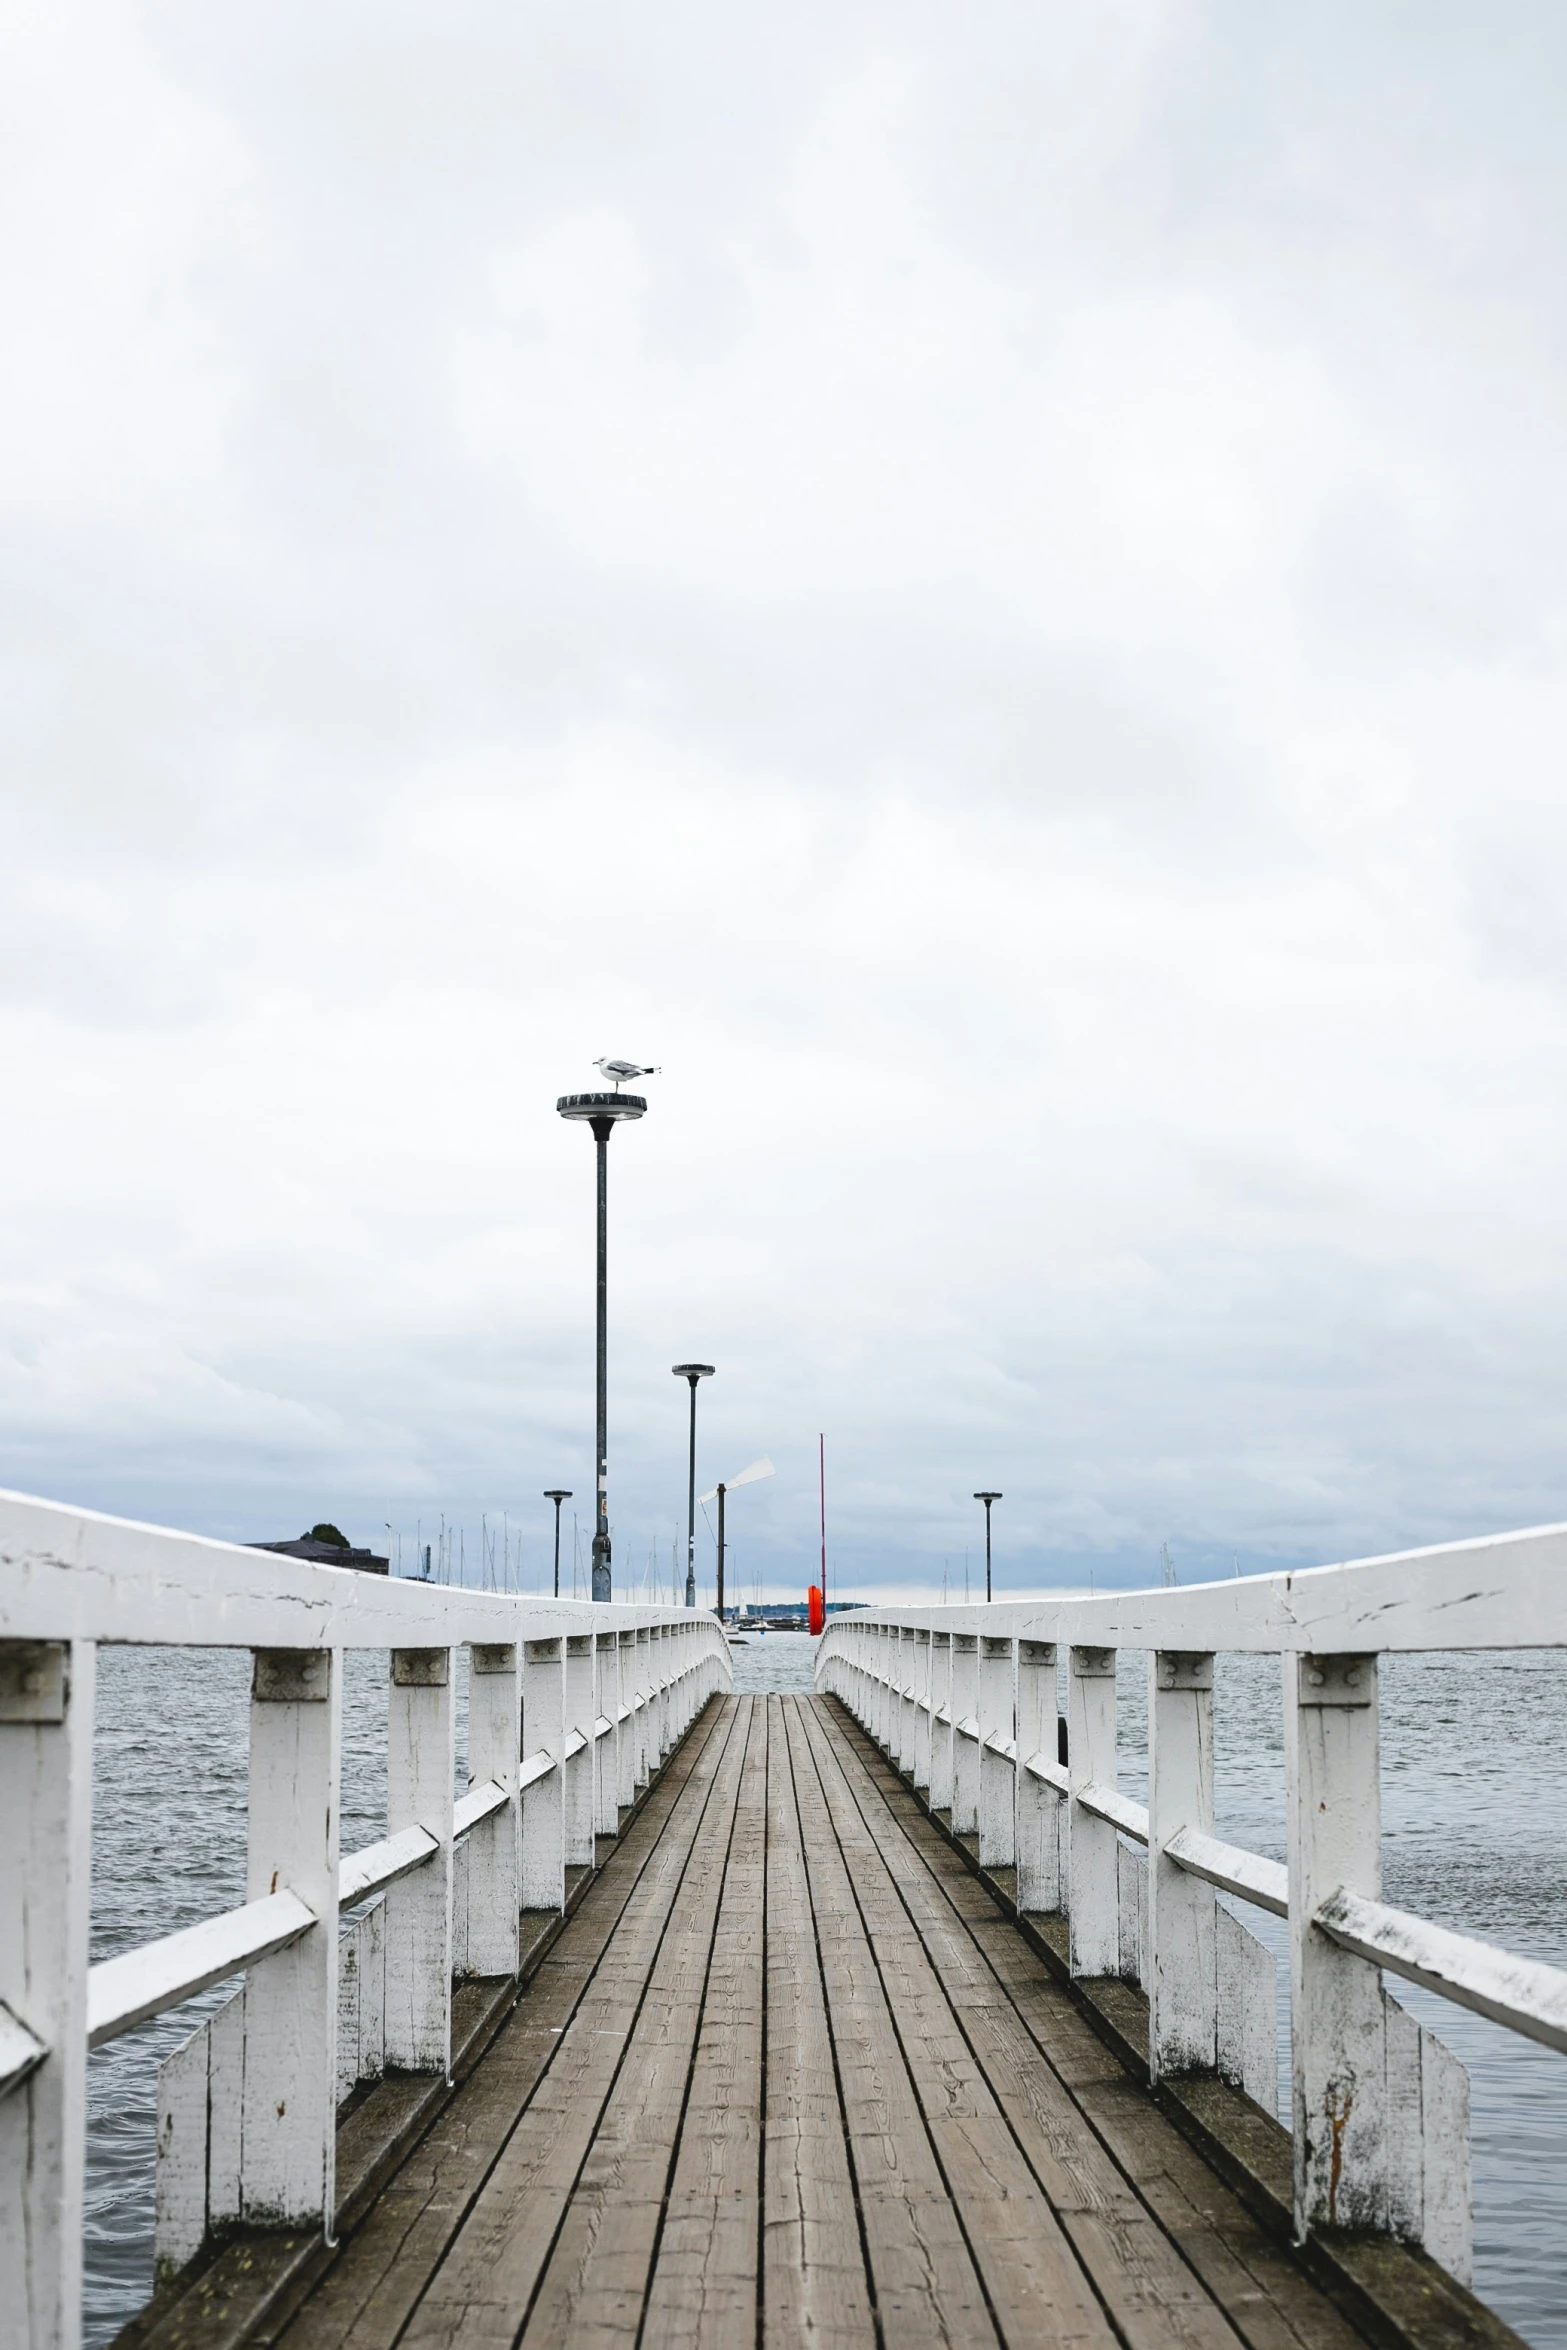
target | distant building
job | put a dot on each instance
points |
(324, 1546)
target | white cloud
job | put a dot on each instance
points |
(987, 592)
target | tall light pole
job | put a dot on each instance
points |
(987, 1499)
(602, 1111)
(692, 1372)
(557, 1494)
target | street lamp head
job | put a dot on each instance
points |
(608, 1106)
(988, 1497)
(691, 1371)
(557, 1494)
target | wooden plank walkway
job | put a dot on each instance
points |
(788, 2075)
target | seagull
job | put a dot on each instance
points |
(621, 1073)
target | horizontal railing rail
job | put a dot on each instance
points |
(1523, 1993)
(572, 1709)
(142, 1983)
(382, 1863)
(966, 1702)
(1264, 1883)
(1104, 1804)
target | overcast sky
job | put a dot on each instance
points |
(985, 584)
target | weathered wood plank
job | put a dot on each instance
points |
(493, 2268)
(1262, 2289)
(703, 2290)
(595, 2284)
(927, 2287)
(798, 2079)
(1248, 2007)
(1034, 2279)
(181, 2222)
(1115, 2152)
(375, 2284)
(815, 2287)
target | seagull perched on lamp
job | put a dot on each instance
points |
(621, 1073)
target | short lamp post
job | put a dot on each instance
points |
(601, 1111)
(987, 1499)
(557, 1494)
(761, 1468)
(691, 1372)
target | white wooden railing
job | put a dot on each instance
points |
(572, 1707)
(964, 1700)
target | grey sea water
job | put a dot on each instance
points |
(1474, 1788)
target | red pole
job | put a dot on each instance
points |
(821, 1444)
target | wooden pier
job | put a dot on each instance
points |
(881, 2016)
(788, 2074)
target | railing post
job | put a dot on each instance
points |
(674, 1645)
(642, 1698)
(997, 1800)
(675, 1638)
(1039, 1808)
(906, 1712)
(679, 1649)
(495, 1845)
(922, 1713)
(647, 1711)
(544, 1802)
(1093, 1869)
(891, 1700)
(658, 1660)
(579, 1766)
(606, 1750)
(965, 1750)
(1180, 1964)
(1337, 2013)
(624, 1689)
(46, 1734)
(420, 1766)
(893, 1697)
(288, 2115)
(941, 1731)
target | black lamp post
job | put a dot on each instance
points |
(761, 1468)
(987, 1499)
(691, 1372)
(601, 1111)
(557, 1494)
